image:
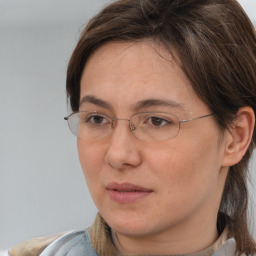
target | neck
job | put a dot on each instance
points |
(179, 240)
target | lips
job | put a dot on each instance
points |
(126, 193)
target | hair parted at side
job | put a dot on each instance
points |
(215, 43)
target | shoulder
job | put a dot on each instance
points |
(58, 244)
(33, 246)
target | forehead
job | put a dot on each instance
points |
(124, 73)
(145, 56)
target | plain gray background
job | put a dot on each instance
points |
(42, 189)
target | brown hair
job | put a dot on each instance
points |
(216, 46)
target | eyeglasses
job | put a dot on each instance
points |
(147, 126)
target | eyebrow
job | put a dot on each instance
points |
(138, 106)
(158, 102)
(95, 101)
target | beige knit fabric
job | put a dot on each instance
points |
(33, 247)
(100, 237)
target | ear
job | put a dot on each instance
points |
(238, 136)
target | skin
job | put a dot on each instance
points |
(186, 174)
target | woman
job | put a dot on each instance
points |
(163, 95)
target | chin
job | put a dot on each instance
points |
(124, 223)
(133, 225)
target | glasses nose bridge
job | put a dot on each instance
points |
(131, 125)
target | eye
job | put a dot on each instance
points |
(95, 119)
(158, 121)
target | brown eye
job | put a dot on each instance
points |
(95, 119)
(157, 121)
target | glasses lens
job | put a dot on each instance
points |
(89, 125)
(154, 126)
(73, 123)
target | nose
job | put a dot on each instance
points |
(122, 152)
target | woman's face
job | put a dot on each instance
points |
(142, 188)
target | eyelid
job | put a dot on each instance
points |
(108, 117)
(168, 117)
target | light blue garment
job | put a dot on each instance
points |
(4, 253)
(71, 244)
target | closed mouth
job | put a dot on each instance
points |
(127, 193)
(127, 187)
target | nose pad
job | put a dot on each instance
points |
(112, 123)
(132, 126)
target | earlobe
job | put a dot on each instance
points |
(238, 136)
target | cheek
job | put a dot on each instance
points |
(91, 157)
(184, 171)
